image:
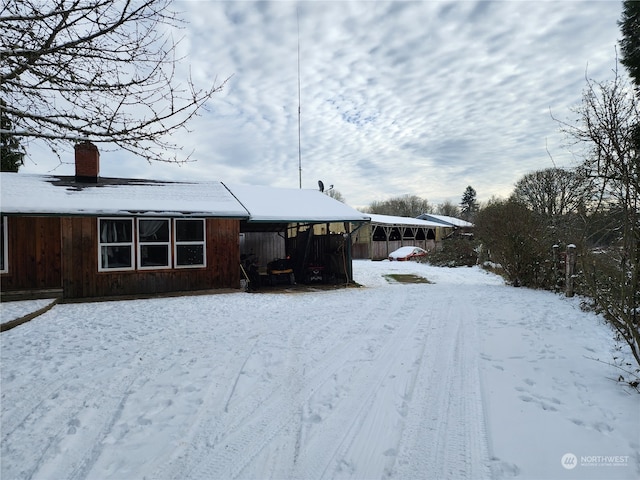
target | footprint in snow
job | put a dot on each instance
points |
(502, 469)
(603, 427)
(73, 425)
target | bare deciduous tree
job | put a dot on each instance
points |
(404, 206)
(98, 70)
(609, 118)
(448, 208)
(553, 191)
(336, 195)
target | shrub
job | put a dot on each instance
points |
(455, 252)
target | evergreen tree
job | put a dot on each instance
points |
(11, 156)
(469, 204)
(630, 42)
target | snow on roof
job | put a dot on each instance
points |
(57, 195)
(393, 220)
(63, 195)
(269, 204)
(446, 220)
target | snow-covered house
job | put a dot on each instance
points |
(88, 236)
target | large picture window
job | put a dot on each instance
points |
(115, 247)
(4, 248)
(148, 243)
(154, 243)
(190, 243)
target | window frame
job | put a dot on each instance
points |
(177, 243)
(140, 244)
(5, 246)
(130, 244)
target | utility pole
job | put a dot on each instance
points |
(299, 111)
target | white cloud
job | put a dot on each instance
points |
(421, 98)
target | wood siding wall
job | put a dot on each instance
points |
(81, 278)
(34, 251)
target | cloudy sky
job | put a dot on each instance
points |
(399, 97)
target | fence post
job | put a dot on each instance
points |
(570, 266)
(555, 272)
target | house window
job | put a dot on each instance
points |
(4, 253)
(154, 243)
(189, 245)
(115, 246)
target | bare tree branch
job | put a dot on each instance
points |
(97, 70)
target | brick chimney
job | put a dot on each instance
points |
(87, 162)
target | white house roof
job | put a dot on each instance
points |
(62, 195)
(274, 205)
(446, 220)
(54, 195)
(392, 220)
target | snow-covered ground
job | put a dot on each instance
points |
(461, 378)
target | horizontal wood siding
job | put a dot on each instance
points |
(34, 251)
(82, 279)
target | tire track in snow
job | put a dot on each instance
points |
(226, 444)
(357, 420)
(444, 435)
(61, 430)
(102, 412)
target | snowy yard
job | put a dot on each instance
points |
(461, 378)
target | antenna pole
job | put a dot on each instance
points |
(299, 148)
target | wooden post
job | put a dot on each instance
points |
(570, 265)
(556, 266)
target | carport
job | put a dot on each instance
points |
(295, 225)
(386, 233)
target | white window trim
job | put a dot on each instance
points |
(118, 244)
(176, 243)
(5, 246)
(142, 244)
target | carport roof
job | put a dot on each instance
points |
(291, 205)
(394, 221)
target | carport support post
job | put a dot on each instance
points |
(349, 241)
(569, 269)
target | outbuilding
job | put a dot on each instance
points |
(386, 233)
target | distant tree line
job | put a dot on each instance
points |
(413, 206)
